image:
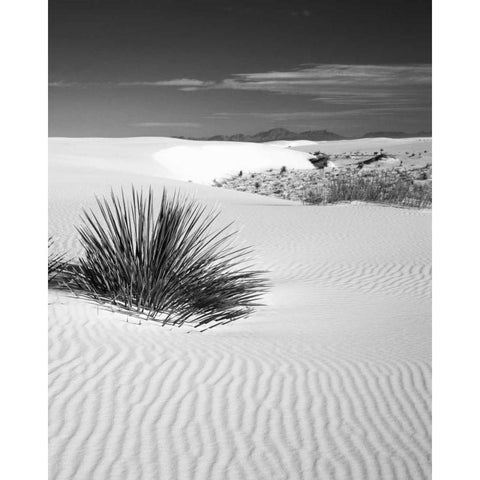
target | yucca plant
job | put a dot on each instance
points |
(167, 262)
(56, 261)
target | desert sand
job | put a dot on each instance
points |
(330, 379)
(413, 152)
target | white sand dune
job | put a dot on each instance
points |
(202, 162)
(187, 160)
(329, 380)
(391, 145)
(400, 148)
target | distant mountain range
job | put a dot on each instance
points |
(276, 134)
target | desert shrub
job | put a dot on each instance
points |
(377, 187)
(56, 261)
(320, 160)
(168, 263)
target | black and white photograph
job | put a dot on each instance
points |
(239, 239)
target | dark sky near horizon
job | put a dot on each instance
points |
(195, 68)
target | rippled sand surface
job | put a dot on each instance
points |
(331, 379)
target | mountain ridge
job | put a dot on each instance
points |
(277, 134)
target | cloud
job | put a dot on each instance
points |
(186, 84)
(166, 124)
(180, 83)
(325, 82)
(63, 84)
(327, 73)
(336, 84)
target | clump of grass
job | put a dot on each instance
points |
(56, 261)
(380, 187)
(170, 264)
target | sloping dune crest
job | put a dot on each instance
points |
(329, 380)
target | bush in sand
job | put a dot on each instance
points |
(382, 187)
(169, 265)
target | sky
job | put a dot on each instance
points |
(120, 68)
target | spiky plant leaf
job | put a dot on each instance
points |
(56, 261)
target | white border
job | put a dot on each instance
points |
(23, 337)
(456, 234)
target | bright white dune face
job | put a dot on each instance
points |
(202, 162)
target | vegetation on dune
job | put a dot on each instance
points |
(398, 186)
(56, 261)
(378, 187)
(168, 263)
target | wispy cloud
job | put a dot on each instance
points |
(63, 84)
(166, 124)
(336, 84)
(180, 83)
(341, 84)
(344, 74)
